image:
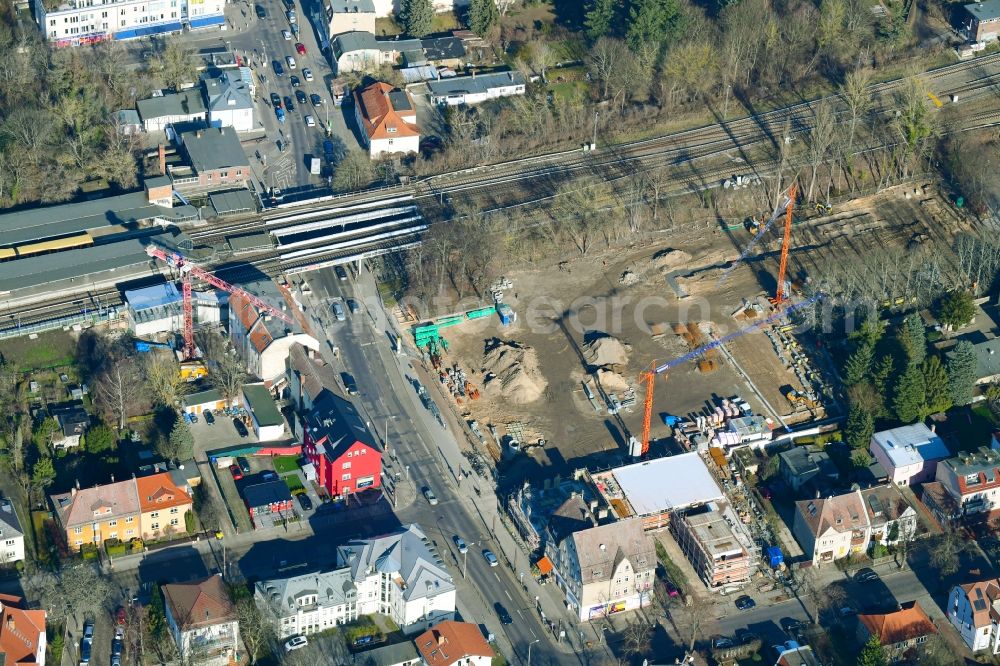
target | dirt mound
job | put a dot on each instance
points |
(511, 369)
(611, 381)
(671, 260)
(629, 278)
(606, 351)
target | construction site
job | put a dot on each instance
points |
(693, 343)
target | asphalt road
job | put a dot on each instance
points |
(413, 436)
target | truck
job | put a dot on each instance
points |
(315, 165)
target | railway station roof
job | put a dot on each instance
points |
(73, 265)
(37, 224)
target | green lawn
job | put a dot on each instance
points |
(972, 426)
(294, 484)
(286, 464)
(53, 349)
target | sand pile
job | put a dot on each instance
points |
(629, 278)
(606, 351)
(511, 368)
(671, 260)
(611, 381)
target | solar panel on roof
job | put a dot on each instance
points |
(979, 605)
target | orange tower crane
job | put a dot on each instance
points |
(649, 379)
(189, 271)
(780, 296)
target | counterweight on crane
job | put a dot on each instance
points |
(189, 271)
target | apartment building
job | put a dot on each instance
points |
(605, 569)
(400, 575)
(308, 603)
(719, 554)
(203, 622)
(149, 507)
(972, 480)
(82, 22)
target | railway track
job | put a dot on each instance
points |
(969, 80)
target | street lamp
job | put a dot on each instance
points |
(529, 649)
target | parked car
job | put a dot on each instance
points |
(290, 61)
(244, 464)
(307, 74)
(87, 642)
(289, 104)
(300, 48)
(261, 12)
(236, 472)
(305, 502)
(194, 418)
(350, 385)
(287, 36)
(722, 642)
(290, 15)
(352, 305)
(460, 544)
(209, 417)
(316, 99)
(502, 613)
(310, 121)
(490, 557)
(300, 97)
(338, 311)
(279, 70)
(866, 575)
(275, 100)
(116, 660)
(294, 80)
(672, 590)
(120, 616)
(430, 496)
(745, 603)
(341, 273)
(241, 429)
(296, 643)
(269, 476)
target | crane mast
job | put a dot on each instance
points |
(189, 271)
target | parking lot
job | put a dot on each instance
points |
(260, 469)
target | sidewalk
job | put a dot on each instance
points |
(546, 599)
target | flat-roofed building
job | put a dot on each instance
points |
(639, 489)
(719, 554)
(982, 22)
(909, 454)
(155, 309)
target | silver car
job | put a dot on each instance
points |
(338, 312)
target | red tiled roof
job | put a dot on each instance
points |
(160, 492)
(450, 641)
(21, 631)
(378, 115)
(987, 591)
(905, 624)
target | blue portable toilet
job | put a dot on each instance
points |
(775, 557)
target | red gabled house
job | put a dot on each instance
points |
(339, 445)
(334, 436)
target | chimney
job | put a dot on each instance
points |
(10, 622)
(473, 72)
(198, 134)
(163, 159)
(222, 130)
(441, 639)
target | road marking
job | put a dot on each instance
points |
(507, 592)
(497, 577)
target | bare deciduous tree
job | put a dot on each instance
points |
(118, 389)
